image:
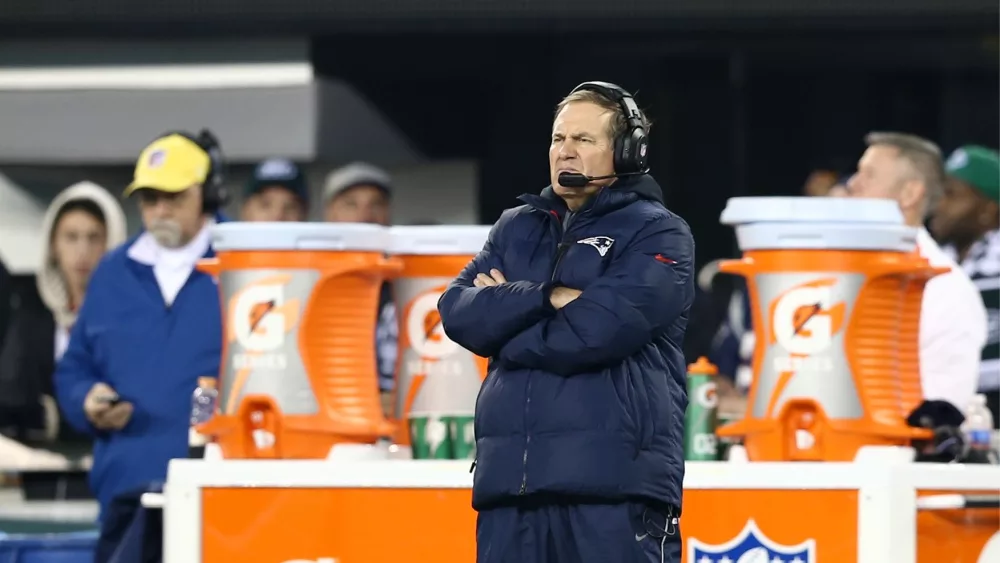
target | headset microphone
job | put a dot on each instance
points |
(577, 180)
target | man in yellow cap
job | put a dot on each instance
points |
(150, 325)
(172, 178)
(967, 221)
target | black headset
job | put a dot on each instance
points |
(632, 144)
(213, 190)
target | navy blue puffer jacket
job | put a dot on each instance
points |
(588, 400)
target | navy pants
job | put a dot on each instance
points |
(577, 533)
(129, 532)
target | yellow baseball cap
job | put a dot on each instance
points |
(171, 164)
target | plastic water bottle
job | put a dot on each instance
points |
(978, 427)
(701, 418)
(204, 401)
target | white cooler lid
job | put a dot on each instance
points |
(438, 240)
(357, 237)
(740, 210)
(818, 223)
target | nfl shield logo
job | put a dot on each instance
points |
(751, 546)
(156, 158)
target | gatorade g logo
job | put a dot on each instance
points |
(424, 332)
(703, 442)
(259, 318)
(804, 320)
(258, 326)
(426, 351)
(706, 397)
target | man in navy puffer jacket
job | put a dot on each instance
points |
(580, 299)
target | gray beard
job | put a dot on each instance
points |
(166, 233)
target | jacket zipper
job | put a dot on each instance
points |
(560, 252)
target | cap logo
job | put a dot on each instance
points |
(958, 159)
(156, 158)
(277, 168)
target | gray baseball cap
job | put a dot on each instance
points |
(356, 174)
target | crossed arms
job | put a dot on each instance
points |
(538, 325)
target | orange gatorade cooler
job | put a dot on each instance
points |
(835, 290)
(299, 304)
(437, 381)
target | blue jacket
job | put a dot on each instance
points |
(152, 355)
(587, 401)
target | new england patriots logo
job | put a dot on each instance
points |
(751, 546)
(602, 244)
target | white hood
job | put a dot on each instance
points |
(51, 286)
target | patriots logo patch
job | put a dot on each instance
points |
(602, 244)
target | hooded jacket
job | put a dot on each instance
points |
(51, 286)
(28, 411)
(587, 401)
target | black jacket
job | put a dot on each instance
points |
(589, 400)
(5, 297)
(27, 365)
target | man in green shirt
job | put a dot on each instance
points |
(967, 221)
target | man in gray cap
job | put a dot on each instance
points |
(357, 193)
(361, 193)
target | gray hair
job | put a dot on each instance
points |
(923, 157)
(618, 124)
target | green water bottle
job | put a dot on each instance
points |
(701, 419)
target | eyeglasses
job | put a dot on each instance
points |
(151, 198)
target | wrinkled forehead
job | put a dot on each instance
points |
(275, 191)
(582, 117)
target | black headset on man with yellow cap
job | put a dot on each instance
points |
(214, 192)
(213, 189)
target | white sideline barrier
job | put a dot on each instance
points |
(885, 480)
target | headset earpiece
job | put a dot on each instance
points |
(213, 190)
(215, 194)
(632, 145)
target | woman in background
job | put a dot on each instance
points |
(82, 223)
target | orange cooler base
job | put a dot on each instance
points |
(832, 440)
(298, 374)
(836, 360)
(433, 374)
